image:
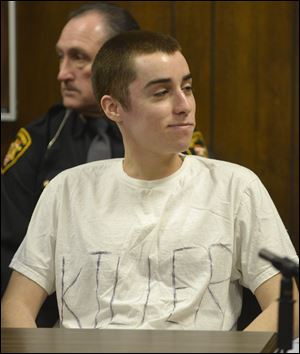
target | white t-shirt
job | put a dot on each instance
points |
(164, 254)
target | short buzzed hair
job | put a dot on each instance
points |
(113, 69)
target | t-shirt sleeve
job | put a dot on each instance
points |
(259, 226)
(35, 258)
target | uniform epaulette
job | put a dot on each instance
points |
(16, 149)
(197, 145)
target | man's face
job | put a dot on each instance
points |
(79, 42)
(161, 117)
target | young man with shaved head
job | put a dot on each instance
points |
(156, 239)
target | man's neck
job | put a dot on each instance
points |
(90, 113)
(152, 168)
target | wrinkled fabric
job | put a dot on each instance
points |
(163, 254)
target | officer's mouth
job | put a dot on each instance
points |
(68, 91)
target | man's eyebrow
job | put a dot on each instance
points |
(166, 80)
(187, 77)
(70, 50)
(157, 81)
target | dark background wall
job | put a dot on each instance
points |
(244, 57)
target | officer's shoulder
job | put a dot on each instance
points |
(31, 140)
(52, 117)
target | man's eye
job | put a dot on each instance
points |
(160, 93)
(188, 88)
(79, 57)
(60, 56)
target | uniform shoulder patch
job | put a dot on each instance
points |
(16, 149)
(197, 145)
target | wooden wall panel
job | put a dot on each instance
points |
(151, 15)
(37, 61)
(4, 56)
(192, 28)
(294, 228)
(274, 102)
(253, 83)
(234, 85)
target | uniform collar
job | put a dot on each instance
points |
(81, 125)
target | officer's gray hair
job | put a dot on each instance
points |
(118, 19)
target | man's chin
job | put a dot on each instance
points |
(68, 100)
(81, 108)
(71, 103)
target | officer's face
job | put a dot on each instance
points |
(161, 117)
(79, 42)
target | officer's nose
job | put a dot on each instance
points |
(65, 72)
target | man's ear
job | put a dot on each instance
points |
(111, 108)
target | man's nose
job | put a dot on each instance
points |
(65, 71)
(182, 103)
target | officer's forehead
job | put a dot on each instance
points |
(87, 31)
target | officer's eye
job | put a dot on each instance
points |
(79, 56)
(60, 56)
(187, 88)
